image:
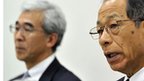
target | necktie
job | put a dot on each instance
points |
(26, 75)
(127, 80)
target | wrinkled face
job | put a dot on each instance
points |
(122, 42)
(30, 39)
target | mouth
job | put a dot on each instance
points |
(113, 57)
(20, 49)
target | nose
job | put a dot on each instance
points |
(105, 39)
(19, 36)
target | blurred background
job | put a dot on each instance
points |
(78, 51)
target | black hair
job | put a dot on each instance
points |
(135, 10)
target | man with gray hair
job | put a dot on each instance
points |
(38, 32)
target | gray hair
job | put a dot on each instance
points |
(54, 20)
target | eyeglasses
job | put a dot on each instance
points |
(112, 28)
(26, 29)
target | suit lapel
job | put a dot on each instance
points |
(50, 71)
(18, 77)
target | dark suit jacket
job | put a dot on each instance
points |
(55, 72)
(121, 79)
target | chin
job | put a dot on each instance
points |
(21, 57)
(118, 67)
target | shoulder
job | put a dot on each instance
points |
(17, 77)
(64, 74)
(57, 72)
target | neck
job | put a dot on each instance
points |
(133, 71)
(37, 59)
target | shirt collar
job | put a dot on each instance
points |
(138, 76)
(125, 78)
(36, 71)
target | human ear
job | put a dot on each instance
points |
(52, 39)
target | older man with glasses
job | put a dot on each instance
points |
(38, 32)
(120, 31)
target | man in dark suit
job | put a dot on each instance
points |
(55, 72)
(38, 32)
(120, 27)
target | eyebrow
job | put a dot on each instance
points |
(112, 16)
(16, 22)
(26, 23)
(98, 22)
(29, 24)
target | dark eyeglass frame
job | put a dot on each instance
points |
(96, 32)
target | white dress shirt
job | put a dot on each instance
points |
(138, 76)
(37, 71)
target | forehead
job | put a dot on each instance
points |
(112, 10)
(34, 17)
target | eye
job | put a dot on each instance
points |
(100, 31)
(28, 28)
(17, 28)
(114, 26)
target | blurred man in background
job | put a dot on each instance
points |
(38, 32)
